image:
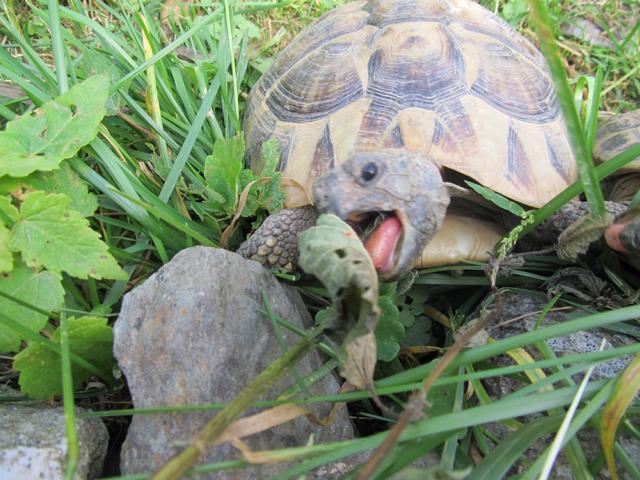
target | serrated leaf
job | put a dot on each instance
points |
(333, 253)
(497, 199)
(52, 235)
(43, 138)
(40, 369)
(41, 289)
(270, 157)
(623, 394)
(222, 172)
(577, 237)
(94, 63)
(266, 193)
(65, 180)
(389, 330)
(8, 213)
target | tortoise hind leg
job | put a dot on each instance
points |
(275, 243)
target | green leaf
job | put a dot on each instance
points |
(411, 304)
(41, 289)
(40, 372)
(56, 131)
(8, 213)
(497, 199)
(266, 194)
(65, 180)
(515, 10)
(6, 256)
(222, 172)
(52, 235)
(333, 253)
(9, 184)
(389, 330)
(418, 334)
(93, 62)
(577, 237)
(623, 394)
(270, 157)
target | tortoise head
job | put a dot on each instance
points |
(401, 185)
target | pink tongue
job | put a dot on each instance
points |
(382, 242)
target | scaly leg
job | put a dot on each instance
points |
(275, 243)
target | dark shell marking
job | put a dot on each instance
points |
(616, 134)
(479, 83)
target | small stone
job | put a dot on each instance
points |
(33, 442)
(263, 250)
(270, 242)
(193, 333)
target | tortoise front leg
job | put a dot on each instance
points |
(275, 243)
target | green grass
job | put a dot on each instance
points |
(178, 90)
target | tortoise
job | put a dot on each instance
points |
(615, 135)
(386, 106)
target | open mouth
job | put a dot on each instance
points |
(382, 234)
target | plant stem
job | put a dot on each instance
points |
(67, 396)
(182, 462)
(588, 177)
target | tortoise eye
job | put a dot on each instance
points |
(369, 172)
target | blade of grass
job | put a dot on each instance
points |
(359, 395)
(602, 172)
(450, 422)
(29, 52)
(593, 104)
(152, 97)
(234, 77)
(189, 141)
(561, 434)
(67, 398)
(450, 447)
(588, 177)
(183, 461)
(199, 25)
(587, 412)
(59, 56)
(486, 351)
(54, 347)
(510, 450)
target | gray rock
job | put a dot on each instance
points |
(33, 442)
(193, 333)
(525, 309)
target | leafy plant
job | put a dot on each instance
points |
(48, 230)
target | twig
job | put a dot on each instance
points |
(181, 463)
(418, 400)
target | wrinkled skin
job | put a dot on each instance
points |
(406, 183)
(624, 235)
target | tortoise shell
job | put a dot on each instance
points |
(615, 135)
(446, 77)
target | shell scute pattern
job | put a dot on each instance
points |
(615, 135)
(445, 77)
(325, 81)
